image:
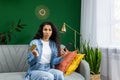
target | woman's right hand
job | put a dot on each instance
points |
(35, 52)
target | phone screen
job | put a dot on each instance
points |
(68, 46)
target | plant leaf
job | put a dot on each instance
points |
(23, 25)
(17, 29)
(19, 21)
(19, 26)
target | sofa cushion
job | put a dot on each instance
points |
(13, 58)
(74, 76)
(64, 64)
(20, 76)
(12, 76)
(75, 63)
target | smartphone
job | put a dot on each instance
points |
(68, 46)
(32, 47)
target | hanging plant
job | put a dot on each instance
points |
(5, 37)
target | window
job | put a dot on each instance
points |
(115, 22)
(100, 22)
(108, 26)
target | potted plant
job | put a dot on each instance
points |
(93, 57)
(5, 37)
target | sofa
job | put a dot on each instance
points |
(13, 64)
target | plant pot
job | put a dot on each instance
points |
(95, 77)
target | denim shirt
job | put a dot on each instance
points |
(32, 60)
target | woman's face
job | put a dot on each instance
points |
(47, 32)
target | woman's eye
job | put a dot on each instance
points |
(45, 29)
(50, 29)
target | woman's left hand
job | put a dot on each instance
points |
(63, 52)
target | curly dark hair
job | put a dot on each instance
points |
(55, 33)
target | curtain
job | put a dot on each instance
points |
(95, 27)
(110, 65)
(88, 20)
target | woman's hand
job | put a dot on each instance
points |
(35, 52)
(63, 52)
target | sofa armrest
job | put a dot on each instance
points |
(84, 69)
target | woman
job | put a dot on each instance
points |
(44, 57)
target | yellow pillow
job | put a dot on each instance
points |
(73, 66)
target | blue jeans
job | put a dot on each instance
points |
(45, 73)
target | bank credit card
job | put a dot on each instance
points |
(32, 47)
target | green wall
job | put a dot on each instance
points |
(59, 12)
